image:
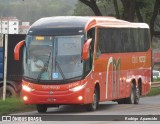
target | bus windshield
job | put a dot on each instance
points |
(53, 57)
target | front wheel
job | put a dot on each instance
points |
(41, 108)
(93, 106)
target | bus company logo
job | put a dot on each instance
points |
(115, 76)
(138, 59)
(50, 92)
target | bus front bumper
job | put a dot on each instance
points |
(54, 97)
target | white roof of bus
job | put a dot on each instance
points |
(113, 22)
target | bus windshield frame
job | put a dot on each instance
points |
(53, 59)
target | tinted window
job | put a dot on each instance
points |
(125, 37)
(109, 40)
(115, 40)
(103, 40)
(146, 37)
(133, 40)
(141, 40)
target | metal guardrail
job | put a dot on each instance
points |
(155, 84)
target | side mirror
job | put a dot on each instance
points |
(17, 50)
(85, 52)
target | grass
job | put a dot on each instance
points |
(14, 105)
(156, 80)
(154, 91)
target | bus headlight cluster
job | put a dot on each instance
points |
(78, 87)
(27, 88)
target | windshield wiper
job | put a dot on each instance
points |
(60, 70)
(44, 68)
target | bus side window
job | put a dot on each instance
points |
(125, 36)
(146, 39)
(115, 40)
(134, 40)
(102, 39)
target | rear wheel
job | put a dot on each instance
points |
(137, 95)
(93, 106)
(134, 96)
(41, 108)
(131, 98)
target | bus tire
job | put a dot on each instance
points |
(131, 98)
(137, 95)
(41, 108)
(93, 106)
(10, 91)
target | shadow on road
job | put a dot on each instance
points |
(70, 109)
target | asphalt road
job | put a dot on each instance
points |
(147, 106)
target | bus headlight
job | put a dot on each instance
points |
(78, 87)
(26, 88)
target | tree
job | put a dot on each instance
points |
(93, 5)
(116, 8)
(82, 10)
(130, 8)
(106, 8)
(132, 11)
(153, 18)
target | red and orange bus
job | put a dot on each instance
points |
(85, 60)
